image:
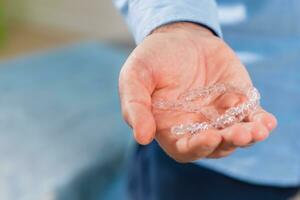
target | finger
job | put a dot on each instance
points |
(235, 136)
(242, 134)
(265, 118)
(194, 147)
(135, 88)
(259, 132)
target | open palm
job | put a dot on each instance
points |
(171, 62)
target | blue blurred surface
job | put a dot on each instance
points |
(61, 132)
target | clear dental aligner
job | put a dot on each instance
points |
(186, 103)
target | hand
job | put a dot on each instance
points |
(173, 59)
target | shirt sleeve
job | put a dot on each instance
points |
(143, 16)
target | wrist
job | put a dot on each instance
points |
(184, 26)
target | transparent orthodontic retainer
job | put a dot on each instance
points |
(204, 96)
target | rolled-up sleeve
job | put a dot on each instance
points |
(143, 16)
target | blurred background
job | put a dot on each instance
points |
(61, 132)
(31, 25)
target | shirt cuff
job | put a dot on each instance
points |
(145, 16)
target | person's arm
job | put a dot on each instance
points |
(144, 16)
(176, 52)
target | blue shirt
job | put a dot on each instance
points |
(266, 37)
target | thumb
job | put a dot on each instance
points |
(135, 88)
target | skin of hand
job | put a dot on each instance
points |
(171, 60)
